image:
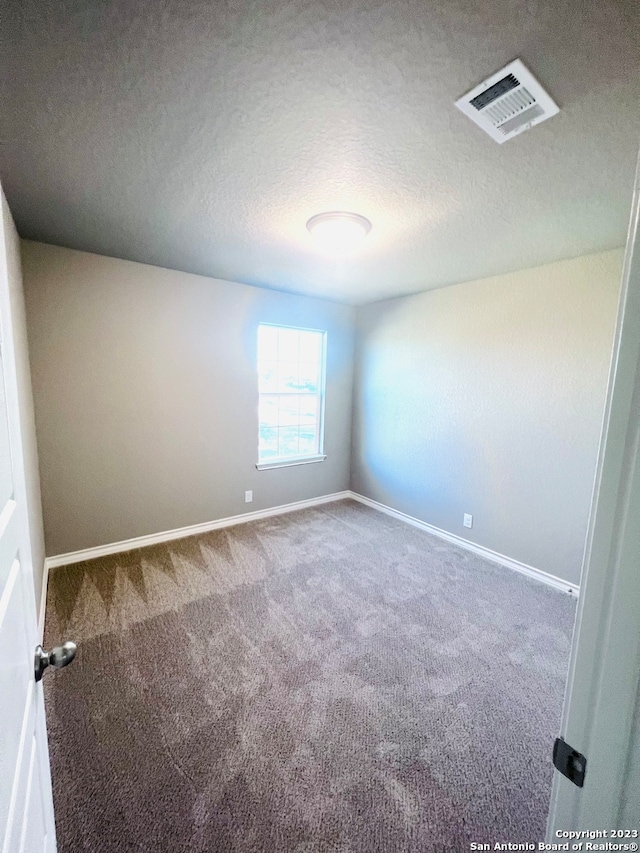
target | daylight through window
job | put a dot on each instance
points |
(291, 394)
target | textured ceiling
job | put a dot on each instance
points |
(201, 136)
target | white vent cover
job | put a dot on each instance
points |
(508, 102)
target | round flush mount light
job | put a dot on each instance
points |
(338, 231)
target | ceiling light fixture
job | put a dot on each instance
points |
(338, 231)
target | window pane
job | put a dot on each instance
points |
(308, 440)
(308, 410)
(268, 411)
(288, 441)
(268, 376)
(289, 411)
(310, 343)
(288, 349)
(268, 446)
(291, 392)
(308, 377)
(288, 376)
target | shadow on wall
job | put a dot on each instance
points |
(487, 398)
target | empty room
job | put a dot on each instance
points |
(320, 330)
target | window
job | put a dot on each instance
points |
(291, 395)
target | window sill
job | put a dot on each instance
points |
(287, 463)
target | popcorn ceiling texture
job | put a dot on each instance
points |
(329, 680)
(201, 136)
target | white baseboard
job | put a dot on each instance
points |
(194, 529)
(183, 532)
(43, 601)
(487, 553)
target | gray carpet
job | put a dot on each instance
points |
(328, 680)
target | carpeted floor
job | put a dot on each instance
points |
(328, 680)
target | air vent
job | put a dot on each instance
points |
(508, 103)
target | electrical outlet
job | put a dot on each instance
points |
(248, 497)
(467, 520)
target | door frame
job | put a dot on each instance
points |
(602, 697)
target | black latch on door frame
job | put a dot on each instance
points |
(570, 763)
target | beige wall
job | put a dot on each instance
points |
(146, 396)
(11, 256)
(487, 398)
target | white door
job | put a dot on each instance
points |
(26, 805)
(601, 718)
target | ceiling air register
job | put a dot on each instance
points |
(508, 103)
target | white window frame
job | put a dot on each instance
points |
(289, 461)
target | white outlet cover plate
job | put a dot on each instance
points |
(248, 497)
(468, 520)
